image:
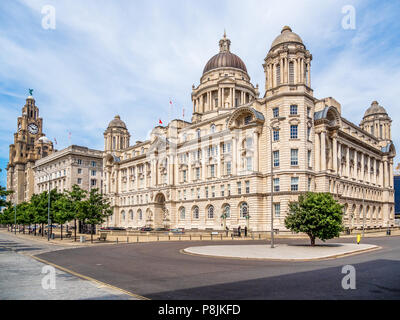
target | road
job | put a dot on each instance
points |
(21, 276)
(161, 271)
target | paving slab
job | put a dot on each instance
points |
(282, 251)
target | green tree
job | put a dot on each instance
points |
(64, 210)
(7, 216)
(94, 210)
(318, 215)
(3, 194)
(76, 196)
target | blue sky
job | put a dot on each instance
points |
(131, 57)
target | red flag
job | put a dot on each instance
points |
(160, 122)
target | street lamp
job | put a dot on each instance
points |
(48, 205)
(272, 187)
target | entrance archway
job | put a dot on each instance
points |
(161, 214)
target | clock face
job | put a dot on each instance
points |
(33, 128)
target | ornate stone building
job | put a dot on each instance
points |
(215, 171)
(74, 165)
(30, 144)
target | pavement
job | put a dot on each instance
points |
(23, 277)
(297, 252)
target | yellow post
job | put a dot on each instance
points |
(358, 238)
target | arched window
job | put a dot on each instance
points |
(212, 129)
(131, 214)
(227, 211)
(123, 215)
(291, 72)
(244, 210)
(140, 214)
(278, 74)
(196, 212)
(210, 212)
(182, 213)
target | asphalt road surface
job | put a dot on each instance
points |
(161, 271)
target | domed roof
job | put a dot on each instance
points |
(44, 139)
(375, 108)
(117, 123)
(287, 35)
(225, 58)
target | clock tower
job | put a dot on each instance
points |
(30, 144)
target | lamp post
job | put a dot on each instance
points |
(15, 218)
(363, 228)
(48, 204)
(272, 187)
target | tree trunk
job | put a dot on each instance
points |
(75, 229)
(35, 229)
(61, 232)
(42, 230)
(312, 241)
(91, 234)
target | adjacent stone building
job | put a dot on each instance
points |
(74, 165)
(215, 171)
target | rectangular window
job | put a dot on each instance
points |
(276, 134)
(212, 170)
(222, 191)
(309, 184)
(198, 173)
(184, 175)
(93, 182)
(94, 164)
(294, 157)
(206, 192)
(239, 188)
(294, 184)
(179, 195)
(249, 161)
(293, 110)
(213, 192)
(276, 158)
(79, 181)
(277, 209)
(309, 133)
(228, 168)
(79, 162)
(309, 158)
(309, 112)
(276, 112)
(247, 186)
(184, 194)
(94, 173)
(277, 187)
(229, 189)
(293, 131)
(198, 193)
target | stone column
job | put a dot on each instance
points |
(348, 162)
(203, 164)
(234, 156)
(339, 159)
(256, 151)
(323, 151)
(309, 74)
(381, 173)
(391, 178)
(386, 173)
(190, 167)
(369, 170)
(317, 152)
(334, 143)
(362, 167)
